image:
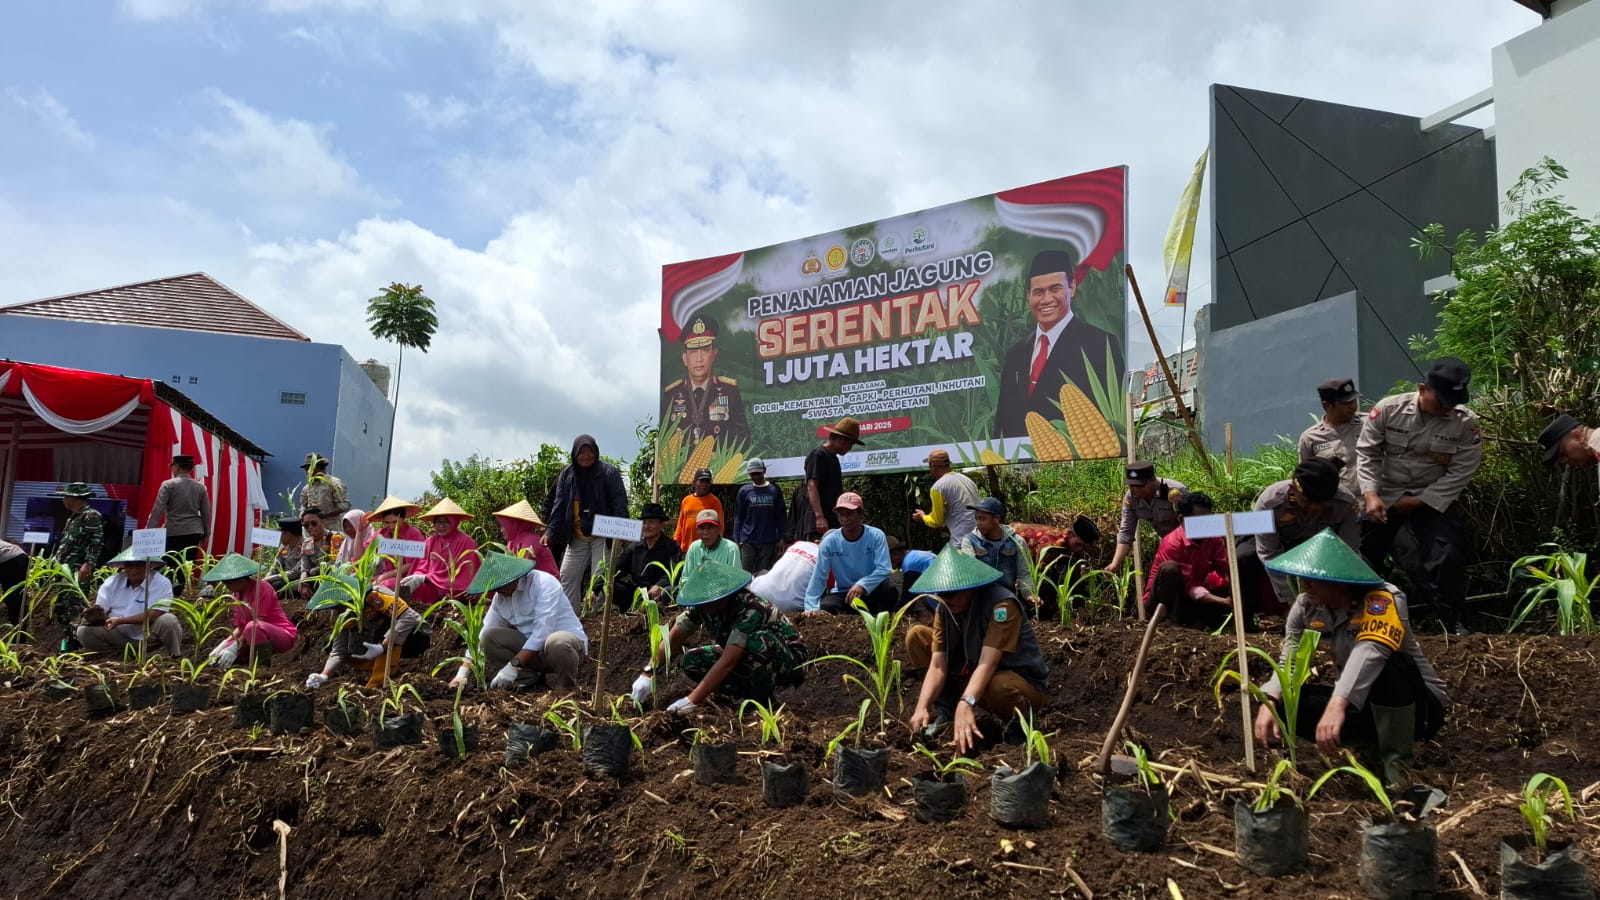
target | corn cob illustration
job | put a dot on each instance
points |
(697, 459)
(674, 444)
(1091, 434)
(990, 458)
(729, 472)
(1048, 444)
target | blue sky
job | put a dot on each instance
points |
(533, 165)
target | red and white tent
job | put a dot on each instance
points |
(59, 425)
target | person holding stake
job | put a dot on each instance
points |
(1388, 695)
(754, 649)
(980, 652)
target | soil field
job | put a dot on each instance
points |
(146, 803)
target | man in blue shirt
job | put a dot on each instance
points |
(857, 556)
(996, 544)
(758, 515)
(911, 563)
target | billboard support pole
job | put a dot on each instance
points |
(1166, 371)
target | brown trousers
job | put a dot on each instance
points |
(1006, 693)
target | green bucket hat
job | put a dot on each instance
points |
(230, 567)
(76, 489)
(711, 582)
(497, 571)
(1323, 558)
(953, 570)
(331, 596)
(126, 556)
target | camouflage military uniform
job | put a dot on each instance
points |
(773, 651)
(327, 494)
(716, 410)
(81, 540)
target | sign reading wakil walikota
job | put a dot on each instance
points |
(992, 328)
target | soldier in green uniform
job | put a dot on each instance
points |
(79, 548)
(704, 404)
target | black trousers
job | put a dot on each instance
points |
(13, 572)
(1172, 591)
(1431, 548)
(183, 545)
(757, 558)
(1399, 684)
(883, 598)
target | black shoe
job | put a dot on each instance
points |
(1458, 630)
(1013, 735)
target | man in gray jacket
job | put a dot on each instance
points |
(185, 507)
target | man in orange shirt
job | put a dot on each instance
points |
(702, 498)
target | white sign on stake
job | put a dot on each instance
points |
(149, 543)
(401, 548)
(617, 528)
(266, 537)
(1244, 523)
(36, 537)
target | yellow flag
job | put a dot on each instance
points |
(1179, 249)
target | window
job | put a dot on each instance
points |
(177, 379)
(292, 398)
(194, 379)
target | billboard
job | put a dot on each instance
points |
(993, 328)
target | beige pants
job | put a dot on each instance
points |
(1006, 692)
(165, 631)
(561, 656)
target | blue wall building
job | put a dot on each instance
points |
(277, 387)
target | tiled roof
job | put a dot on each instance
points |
(193, 302)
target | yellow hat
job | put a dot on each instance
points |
(391, 504)
(522, 511)
(445, 507)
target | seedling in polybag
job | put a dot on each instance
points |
(1147, 773)
(771, 721)
(854, 728)
(960, 765)
(1035, 743)
(1273, 790)
(1535, 805)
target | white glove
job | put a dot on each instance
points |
(506, 677)
(316, 680)
(225, 654)
(373, 651)
(682, 706)
(409, 584)
(642, 686)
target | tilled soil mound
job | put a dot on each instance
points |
(145, 803)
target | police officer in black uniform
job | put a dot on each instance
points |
(702, 403)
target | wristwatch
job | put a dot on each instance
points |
(970, 700)
(515, 663)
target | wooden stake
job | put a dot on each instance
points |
(1127, 697)
(1244, 657)
(605, 627)
(1227, 443)
(1166, 370)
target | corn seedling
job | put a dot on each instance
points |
(883, 676)
(960, 765)
(1148, 776)
(1035, 743)
(660, 638)
(854, 728)
(468, 625)
(395, 702)
(563, 716)
(1292, 673)
(1561, 578)
(1274, 791)
(55, 666)
(11, 662)
(343, 701)
(621, 721)
(247, 678)
(141, 667)
(673, 572)
(200, 617)
(1535, 806)
(189, 670)
(1354, 767)
(771, 721)
(1078, 577)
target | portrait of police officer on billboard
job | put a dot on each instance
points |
(703, 403)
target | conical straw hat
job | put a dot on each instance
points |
(445, 507)
(711, 581)
(1322, 558)
(522, 511)
(497, 571)
(953, 571)
(391, 504)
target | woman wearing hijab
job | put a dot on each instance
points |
(390, 521)
(258, 617)
(523, 530)
(357, 535)
(449, 559)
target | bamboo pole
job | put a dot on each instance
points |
(1138, 558)
(1166, 371)
(1244, 656)
(605, 627)
(1227, 443)
(1127, 696)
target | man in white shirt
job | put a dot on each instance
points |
(128, 601)
(784, 585)
(530, 628)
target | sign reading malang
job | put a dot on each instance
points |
(993, 328)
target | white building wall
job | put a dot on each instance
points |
(1547, 102)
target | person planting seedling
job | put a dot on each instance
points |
(755, 649)
(258, 617)
(370, 641)
(530, 627)
(980, 651)
(1387, 694)
(128, 608)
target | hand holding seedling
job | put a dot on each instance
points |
(682, 706)
(1330, 725)
(854, 592)
(506, 677)
(642, 687)
(1267, 729)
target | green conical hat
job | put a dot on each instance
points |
(1322, 558)
(712, 581)
(230, 567)
(953, 570)
(126, 556)
(331, 595)
(497, 571)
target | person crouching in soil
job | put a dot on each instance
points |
(530, 630)
(1388, 695)
(980, 651)
(372, 645)
(258, 618)
(755, 649)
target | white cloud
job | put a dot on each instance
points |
(289, 159)
(447, 112)
(52, 114)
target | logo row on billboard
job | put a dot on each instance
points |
(863, 251)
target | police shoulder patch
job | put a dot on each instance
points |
(999, 613)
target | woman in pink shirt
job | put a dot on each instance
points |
(390, 522)
(523, 529)
(258, 617)
(449, 559)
